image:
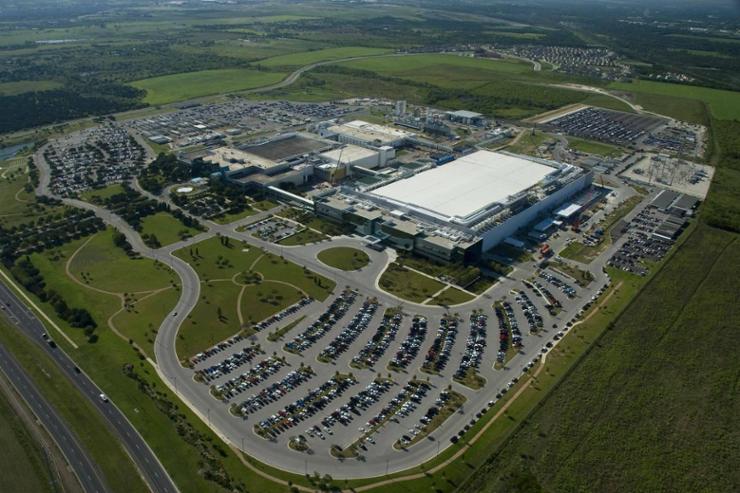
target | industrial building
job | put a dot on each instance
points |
(365, 134)
(286, 158)
(460, 209)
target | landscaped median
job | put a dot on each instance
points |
(407, 284)
(344, 258)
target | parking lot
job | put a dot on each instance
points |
(274, 229)
(360, 377)
(607, 126)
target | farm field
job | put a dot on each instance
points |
(724, 105)
(19, 87)
(189, 85)
(327, 54)
(646, 378)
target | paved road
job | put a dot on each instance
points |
(82, 465)
(149, 466)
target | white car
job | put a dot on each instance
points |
(103, 397)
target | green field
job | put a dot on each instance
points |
(724, 105)
(101, 264)
(97, 195)
(303, 237)
(443, 70)
(407, 284)
(642, 388)
(309, 57)
(241, 285)
(451, 296)
(593, 147)
(111, 286)
(167, 228)
(529, 142)
(344, 258)
(17, 206)
(190, 85)
(25, 466)
(13, 88)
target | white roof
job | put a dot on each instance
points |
(369, 132)
(465, 114)
(349, 153)
(466, 185)
(568, 210)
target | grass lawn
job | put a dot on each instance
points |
(230, 218)
(528, 142)
(407, 284)
(141, 318)
(593, 147)
(213, 319)
(217, 264)
(24, 466)
(166, 227)
(308, 57)
(582, 277)
(303, 237)
(722, 104)
(265, 205)
(97, 195)
(18, 206)
(102, 265)
(451, 296)
(630, 392)
(189, 85)
(265, 299)
(212, 259)
(344, 258)
(273, 267)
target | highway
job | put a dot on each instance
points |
(82, 465)
(147, 463)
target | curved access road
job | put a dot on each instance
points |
(149, 466)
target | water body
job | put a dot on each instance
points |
(12, 151)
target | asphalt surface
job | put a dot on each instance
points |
(83, 466)
(147, 463)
